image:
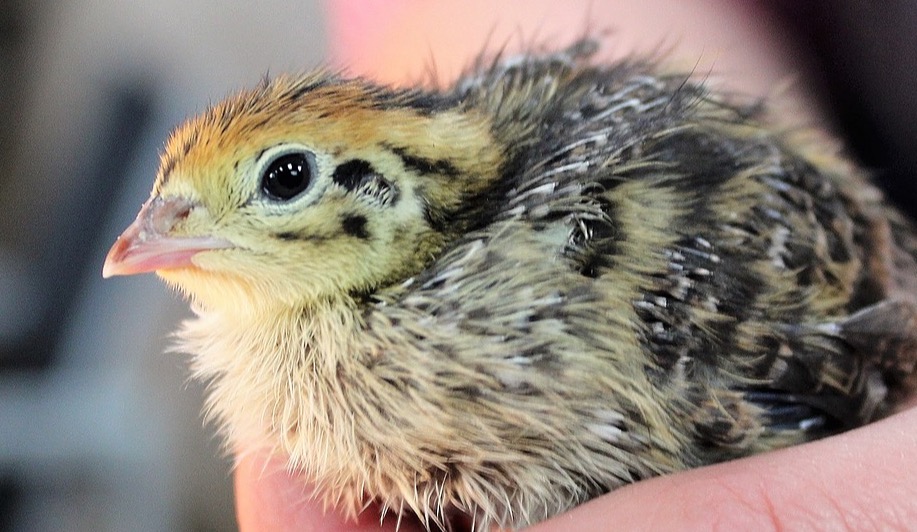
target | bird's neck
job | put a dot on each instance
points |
(307, 331)
(268, 370)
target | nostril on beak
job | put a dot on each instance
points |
(148, 244)
(165, 213)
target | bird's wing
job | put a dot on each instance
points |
(656, 228)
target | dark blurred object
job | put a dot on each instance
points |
(15, 22)
(43, 232)
(9, 501)
(16, 286)
(57, 260)
(864, 55)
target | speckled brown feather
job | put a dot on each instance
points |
(568, 277)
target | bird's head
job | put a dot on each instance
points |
(307, 188)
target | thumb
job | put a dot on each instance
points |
(860, 480)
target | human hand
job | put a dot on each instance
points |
(271, 499)
(860, 480)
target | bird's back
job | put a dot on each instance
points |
(660, 279)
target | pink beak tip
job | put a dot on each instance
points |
(114, 261)
(131, 256)
(146, 245)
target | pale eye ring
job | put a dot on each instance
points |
(288, 175)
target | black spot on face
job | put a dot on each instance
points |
(435, 218)
(168, 164)
(355, 226)
(424, 103)
(423, 165)
(290, 236)
(171, 161)
(351, 173)
(305, 87)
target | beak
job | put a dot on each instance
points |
(146, 246)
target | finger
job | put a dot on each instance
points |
(270, 499)
(856, 481)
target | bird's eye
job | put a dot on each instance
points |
(288, 175)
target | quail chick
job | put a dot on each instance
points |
(515, 294)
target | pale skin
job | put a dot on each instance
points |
(860, 480)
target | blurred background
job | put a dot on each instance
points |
(99, 428)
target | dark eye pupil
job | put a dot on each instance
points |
(287, 176)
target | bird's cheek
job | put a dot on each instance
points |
(146, 245)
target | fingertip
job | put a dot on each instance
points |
(269, 498)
